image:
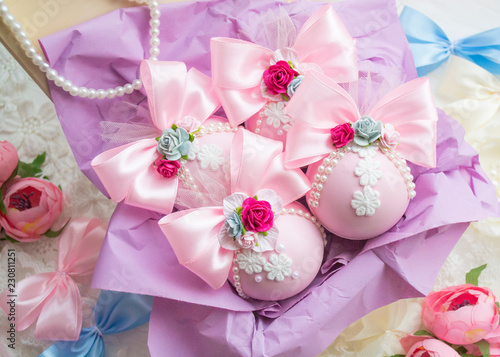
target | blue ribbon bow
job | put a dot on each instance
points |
(114, 312)
(431, 47)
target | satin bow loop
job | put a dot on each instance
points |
(127, 172)
(431, 46)
(54, 298)
(321, 104)
(114, 312)
(256, 164)
(238, 66)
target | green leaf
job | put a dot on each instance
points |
(59, 187)
(55, 234)
(191, 137)
(185, 157)
(255, 197)
(423, 333)
(2, 205)
(157, 139)
(174, 127)
(264, 234)
(285, 97)
(14, 173)
(472, 277)
(497, 304)
(10, 239)
(25, 170)
(290, 64)
(38, 162)
(398, 355)
(239, 210)
(484, 347)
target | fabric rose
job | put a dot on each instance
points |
(431, 348)
(8, 160)
(167, 168)
(257, 216)
(461, 314)
(174, 144)
(248, 240)
(278, 76)
(366, 130)
(294, 84)
(188, 123)
(234, 225)
(390, 137)
(33, 205)
(342, 135)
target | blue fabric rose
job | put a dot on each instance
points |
(234, 225)
(174, 144)
(293, 85)
(366, 130)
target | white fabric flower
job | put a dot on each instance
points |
(278, 267)
(364, 151)
(195, 149)
(368, 171)
(275, 113)
(365, 203)
(250, 261)
(210, 156)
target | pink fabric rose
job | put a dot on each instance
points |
(342, 135)
(461, 314)
(167, 168)
(8, 160)
(278, 76)
(390, 137)
(33, 205)
(431, 348)
(257, 216)
(188, 123)
(247, 240)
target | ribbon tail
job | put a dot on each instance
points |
(324, 40)
(89, 344)
(61, 315)
(193, 235)
(306, 145)
(483, 49)
(32, 294)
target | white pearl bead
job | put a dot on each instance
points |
(328, 170)
(74, 91)
(25, 44)
(92, 93)
(137, 84)
(155, 14)
(412, 194)
(280, 248)
(15, 27)
(154, 23)
(323, 178)
(258, 278)
(321, 168)
(111, 93)
(411, 185)
(320, 187)
(21, 36)
(51, 74)
(101, 94)
(44, 66)
(154, 41)
(154, 51)
(37, 60)
(31, 52)
(154, 32)
(8, 19)
(59, 81)
(295, 275)
(128, 88)
(67, 84)
(120, 91)
(83, 92)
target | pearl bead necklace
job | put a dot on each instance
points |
(66, 84)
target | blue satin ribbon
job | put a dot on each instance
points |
(114, 312)
(431, 47)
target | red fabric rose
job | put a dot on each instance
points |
(167, 168)
(257, 216)
(278, 76)
(342, 135)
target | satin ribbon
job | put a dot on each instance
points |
(321, 104)
(114, 312)
(256, 163)
(431, 47)
(472, 95)
(127, 172)
(54, 298)
(238, 66)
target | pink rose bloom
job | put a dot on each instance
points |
(431, 348)
(167, 168)
(188, 123)
(390, 137)
(461, 314)
(494, 340)
(278, 76)
(33, 205)
(8, 160)
(247, 240)
(257, 216)
(342, 135)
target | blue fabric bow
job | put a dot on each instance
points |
(114, 312)
(431, 47)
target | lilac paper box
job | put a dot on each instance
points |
(189, 317)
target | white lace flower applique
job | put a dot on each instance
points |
(275, 114)
(250, 261)
(278, 267)
(365, 203)
(365, 151)
(210, 156)
(368, 171)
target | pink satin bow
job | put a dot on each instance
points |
(256, 164)
(54, 298)
(321, 104)
(127, 172)
(238, 66)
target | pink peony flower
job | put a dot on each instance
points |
(278, 76)
(257, 216)
(33, 205)
(167, 168)
(390, 137)
(342, 135)
(8, 160)
(431, 348)
(247, 240)
(461, 314)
